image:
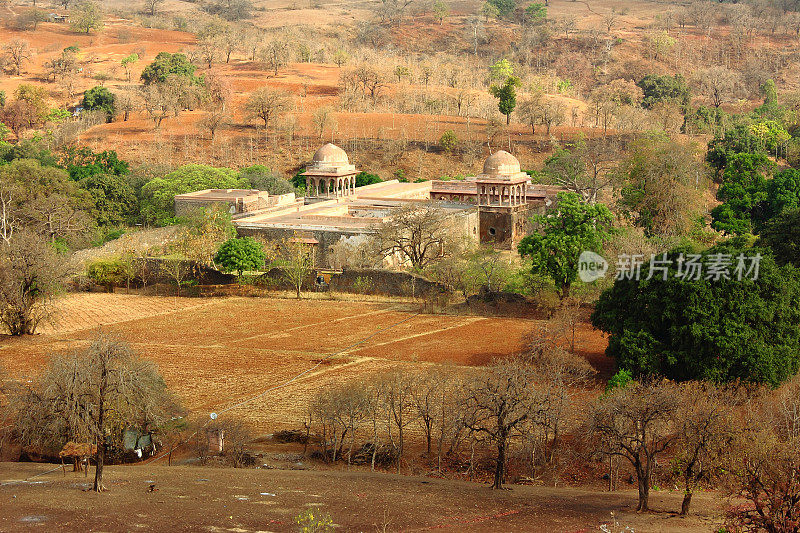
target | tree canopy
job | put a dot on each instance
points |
(664, 88)
(750, 198)
(708, 329)
(158, 195)
(100, 98)
(166, 64)
(562, 235)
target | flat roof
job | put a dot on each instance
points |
(220, 194)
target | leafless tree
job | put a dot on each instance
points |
(636, 422)
(86, 396)
(399, 408)
(127, 101)
(31, 274)
(322, 119)
(610, 19)
(417, 234)
(62, 66)
(208, 49)
(213, 119)
(497, 404)
(18, 52)
(275, 54)
(719, 84)
(706, 433)
(765, 469)
(152, 6)
(178, 269)
(265, 103)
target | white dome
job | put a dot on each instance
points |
(501, 163)
(330, 155)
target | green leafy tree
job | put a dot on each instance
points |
(501, 70)
(711, 329)
(782, 235)
(165, 65)
(127, 64)
(736, 140)
(158, 195)
(82, 162)
(115, 202)
(664, 89)
(239, 255)
(535, 13)
(87, 16)
(504, 7)
(365, 178)
(264, 178)
(571, 228)
(441, 10)
(743, 193)
(506, 95)
(100, 98)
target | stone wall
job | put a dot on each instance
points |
(384, 282)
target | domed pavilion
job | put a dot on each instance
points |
(330, 173)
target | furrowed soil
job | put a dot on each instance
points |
(216, 353)
(247, 500)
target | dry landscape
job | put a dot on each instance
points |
(160, 207)
(213, 361)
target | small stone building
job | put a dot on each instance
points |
(505, 197)
(236, 201)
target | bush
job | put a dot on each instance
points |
(110, 273)
(100, 98)
(448, 141)
(240, 255)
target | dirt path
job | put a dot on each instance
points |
(246, 500)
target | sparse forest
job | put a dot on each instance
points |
(671, 131)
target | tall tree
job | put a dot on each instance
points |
(87, 16)
(94, 396)
(496, 405)
(562, 235)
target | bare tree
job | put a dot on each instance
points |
(178, 270)
(636, 422)
(88, 395)
(586, 167)
(397, 395)
(719, 84)
(265, 103)
(208, 48)
(275, 54)
(416, 233)
(766, 463)
(610, 19)
(213, 119)
(62, 66)
(706, 434)
(18, 52)
(152, 6)
(31, 274)
(496, 406)
(127, 102)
